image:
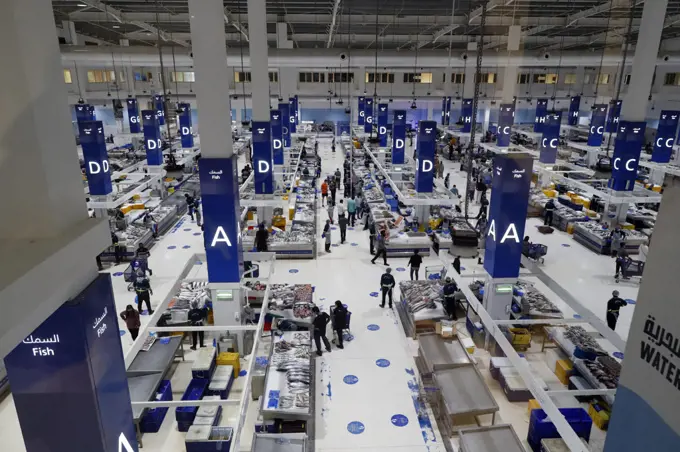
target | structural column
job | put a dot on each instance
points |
(217, 167)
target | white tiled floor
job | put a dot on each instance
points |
(347, 274)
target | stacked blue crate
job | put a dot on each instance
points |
(541, 427)
(153, 418)
(222, 380)
(195, 391)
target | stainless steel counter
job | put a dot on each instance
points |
(496, 438)
(158, 358)
(464, 391)
(439, 354)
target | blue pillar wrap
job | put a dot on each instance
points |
(262, 157)
(506, 119)
(152, 138)
(186, 132)
(597, 125)
(443, 118)
(447, 116)
(507, 214)
(427, 137)
(93, 117)
(221, 216)
(613, 118)
(382, 124)
(466, 114)
(574, 108)
(292, 121)
(70, 372)
(541, 110)
(284, 108)
(343, 127)
(133, 116)
(551, 137)
(277, 136)
(96, 158)
(630, 138)
(398, 137)
(297, 110)
(360, 118)
(665, 136)
(368, 115)
(83, 113)
(160, 111)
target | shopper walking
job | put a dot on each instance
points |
(341, 208)
(338, 177)
(324, 193)
(450, 289)
(480, 188)
(331, 210)
(327, 235)
(618, 239)
(197, 317)
(261, 237)
(143, 290)
(440, 170)
(320, 321)
(117, 249)
(351, 210)
(621, 258)
(190, 204)
(333, 187)
(414, 262)
(613, 309)
(131, 318)
(483, 208)
(197, 212)
(548, 213)
(380, 247)
(142, 256)
(447, 180)
(342, 222)
(339, 321)
(371, 236)
(387, 283)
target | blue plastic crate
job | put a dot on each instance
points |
(541, 427)
(183, 426)
(195, 391)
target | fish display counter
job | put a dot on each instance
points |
(597, 238)
(421, 306)
(403, 244)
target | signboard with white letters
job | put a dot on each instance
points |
(551, 138)
(152, 138)
(427, 137)
(541, 110)
(186, 131)
(382, 124)
(277, 136)
(613, 118)
(95, 157)
(133, 116)
(399, 137)
(368, 115)
(597, 125)
(506, 118)
(160, 108)
(466, 115)
(665, 136)
(360, 108)
(630, 137)
(574, 108)
(284, 108)
(262, 157)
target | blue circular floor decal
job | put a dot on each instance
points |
(578, 316)
(382, 362)
(630, 301)
(356, 428)
(399, 420)
(401, 269)
(566, 245)
(351, 228)
(121, 332)
(187, 229)
(186, 247)
(197, 233)
(354, 244)
(373, 294)
(462, 269)
(617, 355)
(293, 270)
(333, 228)
(243, 373)
(335, 245)
(373, 327)
(350, 379)
(172, 247)
(118, 274)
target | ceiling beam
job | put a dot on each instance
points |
(492, 4)
(332, 26)
(438, 34)
(229, 20)
(529, 32)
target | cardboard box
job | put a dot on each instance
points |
(563, 370)
(520, 336)
(446, 328)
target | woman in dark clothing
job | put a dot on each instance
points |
(261, 237)
(131, 317)
(339, 321)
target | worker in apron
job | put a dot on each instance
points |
(613, 309)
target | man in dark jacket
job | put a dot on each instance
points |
(339, 321)
(142, 256)
(333, 187)
(117, 249)
(197, 317)
(143, 290)
(320, 321)
(450, 289)
(261, 237)
(613, 307)
(414, 262)
(548, 214)
(190, 204)
(387, 283)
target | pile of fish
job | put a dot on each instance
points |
(583, 340)
(374, 194)
(537, 301)
(161, 212)
(292, 296)
(304, 213)
(421, 295)
(190, 291)
(305, 194)
(603, 374)
(611, 364)
(293, 358)
(596, 230)
(306, 229)
(132, 235)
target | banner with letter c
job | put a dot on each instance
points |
(665, 136)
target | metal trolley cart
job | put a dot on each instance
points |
(630, 267)
(537, 251)
(349, 332)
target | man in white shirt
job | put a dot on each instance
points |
(644, 250)
(341, 208)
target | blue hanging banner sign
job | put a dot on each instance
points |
(597, 125)
(133, 116)
(221, 215)
(297, 110)
(342, 127)
(277, 136)
(186, 132)
(398, 137)
(93, 117)
(630, 137)
(443, 118)
(83, 113)
(507, 214)
(152, 138)
(613, 118)
(292, 125)
(574, 108)
(284, 108)
(95, 157)
(466, 115)
(447, 116)
(262, 158)
(360, 118)
(427, 137)
(541, 110)
(551, 137)
(506, 119)
(368, 115)
(665, 136)
(382, 124)
(70, 371)
(160, 108)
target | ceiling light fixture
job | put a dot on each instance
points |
(116, 26)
